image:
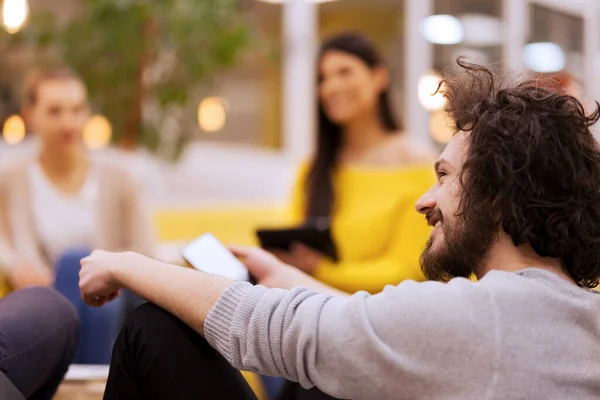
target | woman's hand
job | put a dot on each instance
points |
(97, 278)
(301, 256)
(265, 267)
(272, 273)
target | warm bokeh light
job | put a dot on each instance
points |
(283, 1)
(212, 114)
(442, 29)
(13, 130)
(428, 85)
(97, 132)
(440, 127)
(14, 14)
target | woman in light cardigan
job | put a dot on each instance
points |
(59, 204)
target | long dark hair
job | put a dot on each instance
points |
(319, 183)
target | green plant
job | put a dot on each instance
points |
(141, 58)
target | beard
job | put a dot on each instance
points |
(462, 252)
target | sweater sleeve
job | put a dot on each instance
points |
(399, 262)
(362, 346)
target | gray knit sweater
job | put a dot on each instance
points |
(525, 335)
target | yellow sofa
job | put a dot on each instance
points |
(231, 224)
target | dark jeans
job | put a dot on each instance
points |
(99, 326)
(39, 332)
(157, 356)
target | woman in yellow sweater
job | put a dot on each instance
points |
(365, 177)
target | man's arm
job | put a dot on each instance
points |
(418, 339)
(186, 293)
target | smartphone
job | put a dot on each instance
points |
(207, 254)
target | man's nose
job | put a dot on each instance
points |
(426, 203)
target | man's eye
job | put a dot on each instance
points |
(441, 174)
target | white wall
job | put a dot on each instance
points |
(220, 174)
(208, 174)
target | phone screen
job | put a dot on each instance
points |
(208, 254)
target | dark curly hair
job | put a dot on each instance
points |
(533, 166)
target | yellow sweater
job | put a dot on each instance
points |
(378, 233)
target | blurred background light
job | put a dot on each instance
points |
(97, 132)
(283, 1)
(428, 84)
(440, 126)
(212, 114)
(14, 14)
(442, 29)
(544, 57)
(13, 130)
(481, 30)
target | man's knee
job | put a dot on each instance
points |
(40, 337)
(59, 316)
(33, 313)
(151, 323)
(41, 301)
(139, 327)
(51, 307)
(50, 299)
(148, 315)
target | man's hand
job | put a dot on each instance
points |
(26, 275)
(301, 256)
(269, 271)
(97, 279)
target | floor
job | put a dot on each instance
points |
(81, 390)
(83, 382)
(76, 388)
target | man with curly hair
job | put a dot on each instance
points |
(516, 203)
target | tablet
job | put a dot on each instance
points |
(207, 254)
(316, 238)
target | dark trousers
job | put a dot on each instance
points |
(157, 356)
(39, 334)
